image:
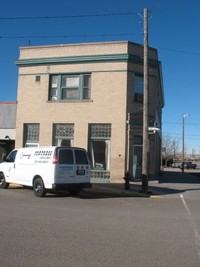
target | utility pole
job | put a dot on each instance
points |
(145, 150)
(127, 144)
(183, 142)
(183, 139)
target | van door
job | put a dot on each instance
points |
(82, 167)
(10, 166)
(65, 171)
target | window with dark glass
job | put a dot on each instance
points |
(81, 157)
(86, 86)
(65, 156)
(138, 87)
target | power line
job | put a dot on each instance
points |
(179, 123)
(85, 16)
(170, 133)
(65, 36)
(69, 16)
(180, 51)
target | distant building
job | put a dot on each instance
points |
(7, 127)
(91, 95)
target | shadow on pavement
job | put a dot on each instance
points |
(179, 177)
(176, 182)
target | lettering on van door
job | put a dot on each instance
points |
(65, 171)
(42, 156)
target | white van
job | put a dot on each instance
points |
(47, 169)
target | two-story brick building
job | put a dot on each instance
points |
(90, 95)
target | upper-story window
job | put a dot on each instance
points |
(138, 87)
(70, 87)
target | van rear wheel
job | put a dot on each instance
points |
(38, 188)
(3, 183)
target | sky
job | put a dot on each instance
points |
(173, 30)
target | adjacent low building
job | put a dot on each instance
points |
(7, 127)
(91, 95)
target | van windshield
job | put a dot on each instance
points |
(81, 157)
(11, 156)
(65, 156)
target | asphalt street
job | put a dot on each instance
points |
(104, 226)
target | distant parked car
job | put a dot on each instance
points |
(176, 164)
(188, 165)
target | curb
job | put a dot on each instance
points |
(11, 185)
(116, 192)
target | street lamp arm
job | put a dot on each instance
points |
(186, 115)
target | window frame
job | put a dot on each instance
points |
(56, 90)
(35, 138)
(100, 133)
(63, 135)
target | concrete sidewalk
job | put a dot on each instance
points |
(169, 182)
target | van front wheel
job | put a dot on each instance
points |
(3, 183)
(38, 188)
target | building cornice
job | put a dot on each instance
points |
(83, 60)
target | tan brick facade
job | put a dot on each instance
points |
(112, 93)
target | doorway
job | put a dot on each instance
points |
(137, 163)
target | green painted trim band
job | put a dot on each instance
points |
(84, 59)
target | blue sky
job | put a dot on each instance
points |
(173, 30)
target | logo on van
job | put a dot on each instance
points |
(25, 155)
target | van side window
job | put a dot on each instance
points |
(65, 156)
(11, 156)
(81, 157)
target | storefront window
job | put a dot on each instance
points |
(31, 134)
(63, 134)
(99, 146)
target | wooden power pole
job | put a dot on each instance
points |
(145, 150)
